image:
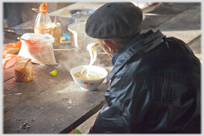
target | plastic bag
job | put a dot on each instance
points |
(38, 48)
(9, 60)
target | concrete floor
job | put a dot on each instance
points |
(85, 127)
(196, 47)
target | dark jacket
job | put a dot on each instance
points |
(155, 88)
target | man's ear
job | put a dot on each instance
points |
(108, 44)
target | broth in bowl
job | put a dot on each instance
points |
(91, 75)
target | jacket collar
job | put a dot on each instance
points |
(136, 39)
(150, 40)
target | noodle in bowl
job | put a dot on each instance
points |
(90, 80)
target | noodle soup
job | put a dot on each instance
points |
(92, 79)
(91, 75)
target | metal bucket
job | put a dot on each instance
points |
(78, 37)
(80, 15)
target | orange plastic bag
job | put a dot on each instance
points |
(9, 60)
(75, 131)
(12, 48)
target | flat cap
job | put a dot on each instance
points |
(114, 20)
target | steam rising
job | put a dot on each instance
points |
(73, 58)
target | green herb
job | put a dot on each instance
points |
(77, 131)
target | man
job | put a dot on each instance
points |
(155, 81)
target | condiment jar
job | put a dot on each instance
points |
(56, 32)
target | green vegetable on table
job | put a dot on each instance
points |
(53, 73)
(77, 131)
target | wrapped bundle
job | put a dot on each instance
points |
(23, 69)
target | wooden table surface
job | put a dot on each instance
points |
(55, 104)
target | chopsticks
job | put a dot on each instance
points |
(97, 43)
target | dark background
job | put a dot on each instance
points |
(17, 13)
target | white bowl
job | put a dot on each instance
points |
(89, 85)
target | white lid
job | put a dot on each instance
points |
(56, 25)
